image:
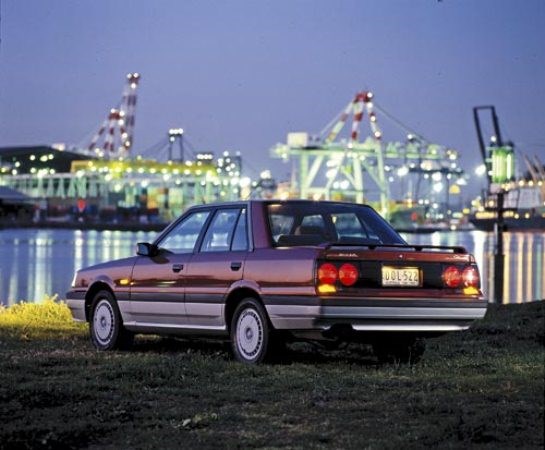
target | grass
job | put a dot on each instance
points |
(480, 388)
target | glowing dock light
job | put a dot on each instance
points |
(402, 171)
(480, 170)
(438, 187)
(176, 132)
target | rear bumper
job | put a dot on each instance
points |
(418, 315)
(401, 318)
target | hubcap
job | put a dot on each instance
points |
(249, 333)
(103, 322)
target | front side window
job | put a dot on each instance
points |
(182, 238)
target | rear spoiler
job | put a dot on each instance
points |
(418, 248)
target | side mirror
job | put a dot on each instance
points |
(146, 249)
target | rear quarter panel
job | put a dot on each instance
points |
(282, 271)
(285, 279)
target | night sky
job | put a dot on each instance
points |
(239, 75)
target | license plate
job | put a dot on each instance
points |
(400, 276)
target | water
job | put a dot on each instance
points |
(36, 263)
(524, 267)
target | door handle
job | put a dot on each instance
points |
(236, 266)
(177, 267)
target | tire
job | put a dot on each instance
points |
(404, 350)
(106, 326)
(250, 332)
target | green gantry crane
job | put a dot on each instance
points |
(328, 167)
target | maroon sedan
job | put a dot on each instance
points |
(262, 272)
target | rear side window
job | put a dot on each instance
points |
(227, 231)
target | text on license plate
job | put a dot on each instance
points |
(400, 276)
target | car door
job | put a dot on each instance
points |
(218, 263)
(158, 282)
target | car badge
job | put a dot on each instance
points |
(350, 255)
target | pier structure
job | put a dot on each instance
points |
(327, 166)
(104, 177)
(106, 187)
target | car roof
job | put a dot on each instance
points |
(276, 201)
(312, 202)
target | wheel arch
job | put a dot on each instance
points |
(95, 288)
(234, 298)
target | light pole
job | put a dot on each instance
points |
(176, 134)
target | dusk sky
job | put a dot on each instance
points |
(239, 75)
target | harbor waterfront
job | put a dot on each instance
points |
(36, 263)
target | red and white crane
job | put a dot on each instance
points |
(362, 101)
(114, 138)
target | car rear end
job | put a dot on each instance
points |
(397, 288)
(366, 281)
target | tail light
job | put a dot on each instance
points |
(470, 277)
(348, 274)
(327, 273)
(452, 277)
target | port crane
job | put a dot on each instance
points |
(498, 157)
(510, 201)
(119, 123)
(329, 166)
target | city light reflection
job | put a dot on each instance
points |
(40, 263)
(524, 269)
(36, 263)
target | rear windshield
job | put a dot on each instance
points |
(293, 224)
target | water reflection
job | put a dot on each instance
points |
(35, 263)
(524, 270)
